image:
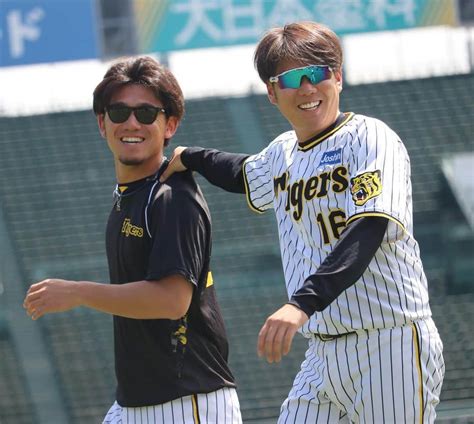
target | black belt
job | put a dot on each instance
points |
(329, 337)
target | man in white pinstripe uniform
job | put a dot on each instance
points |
(340, 187)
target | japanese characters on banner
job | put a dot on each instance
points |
(38, 31)
(165, 25)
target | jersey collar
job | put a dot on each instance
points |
(340, 121)
(129, 188)
(126, 189)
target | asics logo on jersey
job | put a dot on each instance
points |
(366, 186)
(304, 190)
(131, 230)
(331, 158)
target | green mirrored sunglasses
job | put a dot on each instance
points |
(292, 78)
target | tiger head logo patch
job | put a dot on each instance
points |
(366, 186)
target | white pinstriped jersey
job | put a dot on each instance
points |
(360, 168)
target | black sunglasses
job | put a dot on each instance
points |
(118, 114)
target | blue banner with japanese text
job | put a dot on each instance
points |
(38, 31)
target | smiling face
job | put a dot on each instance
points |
(137, 148)
(310, 108)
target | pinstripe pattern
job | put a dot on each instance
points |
(380, 376)
(393, 290)
(390, 368)
(219, 407)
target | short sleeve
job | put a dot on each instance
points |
(259, 181)
(379, 177)
(180, 237)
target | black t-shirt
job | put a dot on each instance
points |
(156, 230)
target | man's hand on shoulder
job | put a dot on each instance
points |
(175, 165)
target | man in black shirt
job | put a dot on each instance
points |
(170, 342)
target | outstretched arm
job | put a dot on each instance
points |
(168, 298)
(221, 169)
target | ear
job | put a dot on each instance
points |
(172, 124)
(271, 93)
(101, 124)
(338, 77)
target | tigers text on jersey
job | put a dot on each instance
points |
(357, 168)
